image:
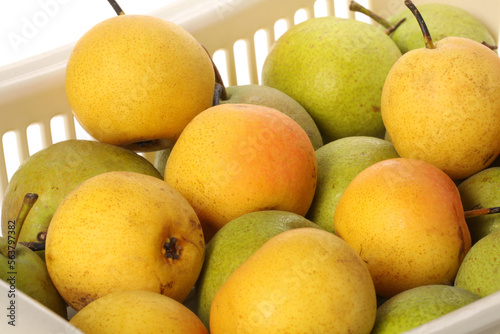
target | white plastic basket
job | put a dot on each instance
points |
(32, 91)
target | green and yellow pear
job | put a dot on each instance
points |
(304, 280)
(419, 305)
(481, 190)
(56, 170)
(338, 163)
(335, 68)
(233, 244)
(137, 80)
(480, 270)
(440, 104)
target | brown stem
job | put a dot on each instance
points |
(28, 202)
(421, 22)
(356, 7)
(481, 212)
(116, 7)
(492, 47)
(390, 30)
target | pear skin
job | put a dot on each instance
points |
(304, 280)
(121, 231)
(405, 219)
(137, 311)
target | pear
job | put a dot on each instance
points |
(56, 170)
(335, 68)
(304, 280)
(419, 305)
(137, 80)
(233, 244)
(123, 231)
(25, 270)
(234, 159)
(274, 98)
(137, 311)
(439, 104)
(442, 19)
(405, 219)
(338, 163)
(481, 190)
(480, 270)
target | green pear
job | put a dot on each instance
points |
(481, 190)
(419, 305)
(56, 170)
(335, 68)
(338, 163)
(25, 270)
(443, 20)
(274, 98)
(479, 272)
(232, 245)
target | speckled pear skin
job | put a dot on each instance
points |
(138, 78)
(442, 20)
(338, 163)
(335, 68)
(480, 270)
(482, 190)
(417, 306)
(56, 170)
(440, 105)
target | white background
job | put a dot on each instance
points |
(29, 27)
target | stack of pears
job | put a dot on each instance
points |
(272, 208)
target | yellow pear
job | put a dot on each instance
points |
(405, 219)
(137, 311)
(440, 104)
(123, 231)
(304, 280)
(137, 80)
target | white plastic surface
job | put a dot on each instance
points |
(32, 91)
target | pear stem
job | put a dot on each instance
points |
(481, 212)
(116, 7)
(28, 202)
(356, 7)
(421, 22)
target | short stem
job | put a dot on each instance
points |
(492, 47)
(116, 7)
(421, 22)
(481, 212)
(356, 7)
(390, 30)
(28, 202)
